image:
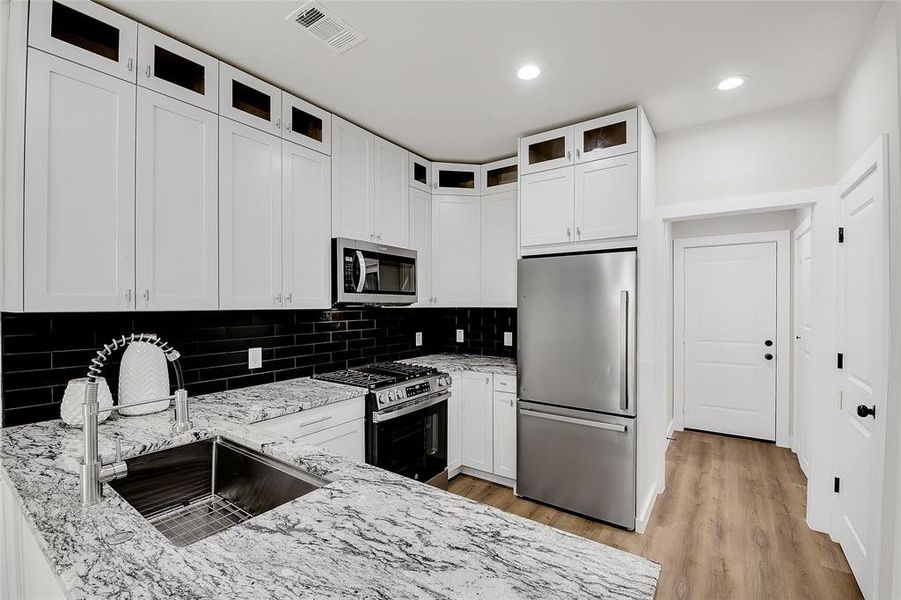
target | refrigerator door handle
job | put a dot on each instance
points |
(563, 419)
(624, 349)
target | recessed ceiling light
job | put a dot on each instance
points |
(528, 72)
(730, 83)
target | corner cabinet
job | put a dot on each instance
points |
(456, 250)
(79, 188)
(498, 249)
(456, 179)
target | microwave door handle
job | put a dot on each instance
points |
(362, 280)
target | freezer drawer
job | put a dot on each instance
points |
(580, 461)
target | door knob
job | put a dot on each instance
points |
(768, 356)
(866, 411)
(768, 343)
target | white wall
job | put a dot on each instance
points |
(749, 155)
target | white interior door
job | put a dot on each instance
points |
(862, 325)
(803, 327)
(729, 305)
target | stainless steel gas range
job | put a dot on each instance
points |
(406, 417)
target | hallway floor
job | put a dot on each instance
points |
(730, 524)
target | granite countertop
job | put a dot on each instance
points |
(367, 534)
(467, 362)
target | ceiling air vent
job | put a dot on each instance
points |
(326, 27)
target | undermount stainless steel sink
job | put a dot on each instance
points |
(193, 491)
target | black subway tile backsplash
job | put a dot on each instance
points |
(41, 352)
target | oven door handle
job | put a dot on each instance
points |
(362, 281)
(381, 417)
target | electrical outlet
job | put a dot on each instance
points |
(459, 336)
(419, 338)
(254, 358)
(508, 338)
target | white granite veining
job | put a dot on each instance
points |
(466, 362)
(368, 534)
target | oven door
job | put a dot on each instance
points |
(410, 440)
(367, 273)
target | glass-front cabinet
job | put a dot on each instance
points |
(306, 124)
(420, 173)
(500, 176)
(248, 100)
(177, 70)
(548, 150)
(456, 179)
(603, 137)
(86, 33)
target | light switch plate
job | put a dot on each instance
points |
(508, 338)
(419, 338)
(254, 358)
(460, 336)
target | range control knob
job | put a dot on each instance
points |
(390, 396)
(401, 393)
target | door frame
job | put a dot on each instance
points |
(782, 239)
(801, 398)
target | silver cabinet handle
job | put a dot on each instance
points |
(563, 419)
(314, 421)
(289, 298)
(624, 349)
(278, 298)
(578, 232)
(148, 70)
(378, 236)
(569, 233)
(147, 296)
(131, 64)
(278, 123)
(577, 153)
(128, 295)
(487, 380)
(568, 155)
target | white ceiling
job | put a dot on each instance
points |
(439, 77)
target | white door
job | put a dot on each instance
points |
(546, 207)
(177, 70)
(498, 241)
(454, 450)
(250, 217)
(456, 248)
(307, 225)
(352, 181)
(421, 241)
(177, 228)
(79, 188)
(803, 327)
(729, 304)
(477, 422)
(391, 202)
(862, 340)
(607, 198)
(505, 434)
(248, 100)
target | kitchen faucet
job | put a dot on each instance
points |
(93, 471)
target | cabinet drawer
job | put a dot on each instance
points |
(505, 383)
(307, 422)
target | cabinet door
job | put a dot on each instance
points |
(500, 176)
(250, 217)
(505, 434)
(177, 200)
(476, 422)
(307, 218)
(79, 188)
(456, 179)
(178, 70)
(249, 100)
(421, 241)
(391, 200)
(607, 198)
(347, 439)
(352, 181)
(498, 252)
(454, 441)
(544, 151)
(420, 173)
(546, 207)
(607, 136)
(85, 32)
(306, 124)
(456, 251)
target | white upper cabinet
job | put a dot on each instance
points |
(606, 198)
(546, 205)
(177, 70)
(607, 136)
(306, 124)
(498, 239)
(420, 173)
(353, 150)
(477, 422)
(505, 434)
(176, 205)
(547, 150)
(499, 176)
(87, 33)
(307, 217)
(457, 179)
(421, 241)
(250, 217)
(248, 100)
(391, 201)
(456, 258)
(79, 188)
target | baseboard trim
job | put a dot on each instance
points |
(498, 479)
(643, 516)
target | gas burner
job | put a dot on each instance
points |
(356, 377)
(403, 370)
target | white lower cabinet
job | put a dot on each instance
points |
(498, 251)
(347, 439)
(505, 434)
(456, 250)
(454, 438)
(338, 427)
(421, 241)
(476, 422)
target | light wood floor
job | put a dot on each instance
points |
(730, 524)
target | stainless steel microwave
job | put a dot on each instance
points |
(369, 273)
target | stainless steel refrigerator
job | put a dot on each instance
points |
(576, 383)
